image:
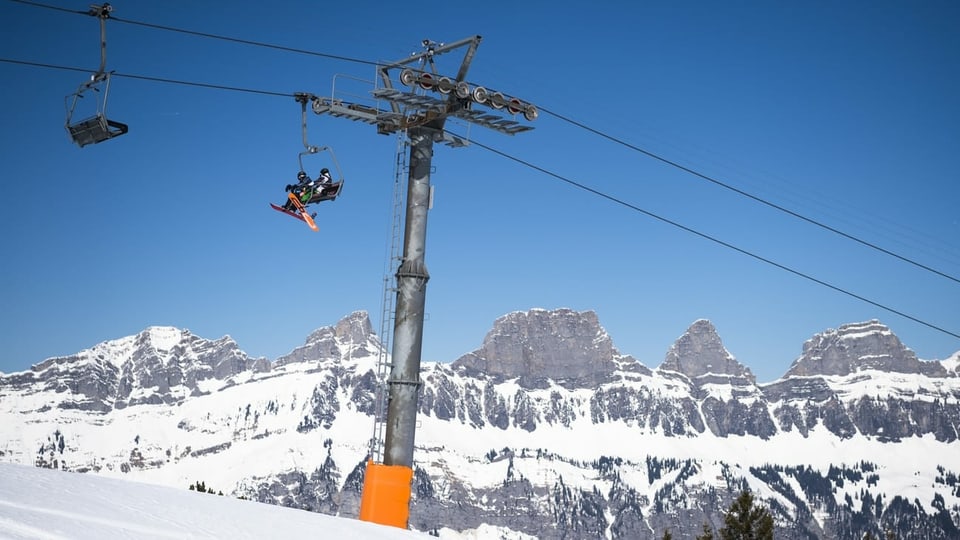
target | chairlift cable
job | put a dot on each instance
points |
(561, 178)
(749, 195)
(563, 118)
(205, 85)
(206, 34)
(246, 41)
(153, 79)
(714, 239)
(56, 8)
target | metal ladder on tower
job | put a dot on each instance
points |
(387, 301)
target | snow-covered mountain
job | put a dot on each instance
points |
(545, 431)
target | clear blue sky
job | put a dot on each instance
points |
(845, 113)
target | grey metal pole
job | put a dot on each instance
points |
(412, 276)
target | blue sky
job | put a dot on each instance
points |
(846, 114)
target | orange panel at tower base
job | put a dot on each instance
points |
(386, 494)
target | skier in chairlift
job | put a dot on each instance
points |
(308, 190)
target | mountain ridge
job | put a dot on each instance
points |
(357, 324)
(614, 449)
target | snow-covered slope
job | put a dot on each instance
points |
(545, 431)
(41, 504)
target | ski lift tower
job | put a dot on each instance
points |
(420, 112)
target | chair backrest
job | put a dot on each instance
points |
(328, 192)
(96, 128)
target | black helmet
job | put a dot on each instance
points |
(324, 171)
(301, 175)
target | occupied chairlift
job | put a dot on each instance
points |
(330, 191)
(96, 128)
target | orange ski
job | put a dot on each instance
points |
(303, 211)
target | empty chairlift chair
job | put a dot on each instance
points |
(96, 128)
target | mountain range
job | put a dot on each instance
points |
(545, 431)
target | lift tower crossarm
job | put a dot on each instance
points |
(432, 50)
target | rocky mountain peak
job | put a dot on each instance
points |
(161, 338)
(354, 328)
(151, 342)
(699, 352)
(536, 345)
(952, 364)
(351, 335)
(856, 347)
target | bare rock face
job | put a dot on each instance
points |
(700, 357)
(842, 362)
(167, 363)
(699, 353)
(537, 345)
(158, 365)
(354, 330)
(857, 347)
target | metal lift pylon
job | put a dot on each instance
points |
(421, 113)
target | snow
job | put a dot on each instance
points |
(877, 383)
(236, 417)
(115, 351)
(485, 531)
(952, 363)
(855, 336)
(44, 504)
(165, 338)
(865, 328)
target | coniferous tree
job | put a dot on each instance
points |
(746, 520)
(707, 533)
(667, 535)
(201, 487)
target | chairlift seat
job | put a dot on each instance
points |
(95, 129)
(328, 192)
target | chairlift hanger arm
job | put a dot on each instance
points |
(317, 106)
(317, 150)
(303, 98)
(102, 13)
